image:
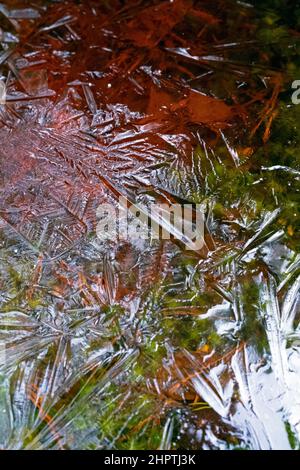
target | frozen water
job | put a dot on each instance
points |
(143, 344)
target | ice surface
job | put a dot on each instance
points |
(143, 344)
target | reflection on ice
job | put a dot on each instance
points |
(138, 343)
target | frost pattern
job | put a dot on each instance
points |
(130, 344)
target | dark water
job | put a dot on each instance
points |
(142, 343)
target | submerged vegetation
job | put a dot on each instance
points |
(146, 345)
